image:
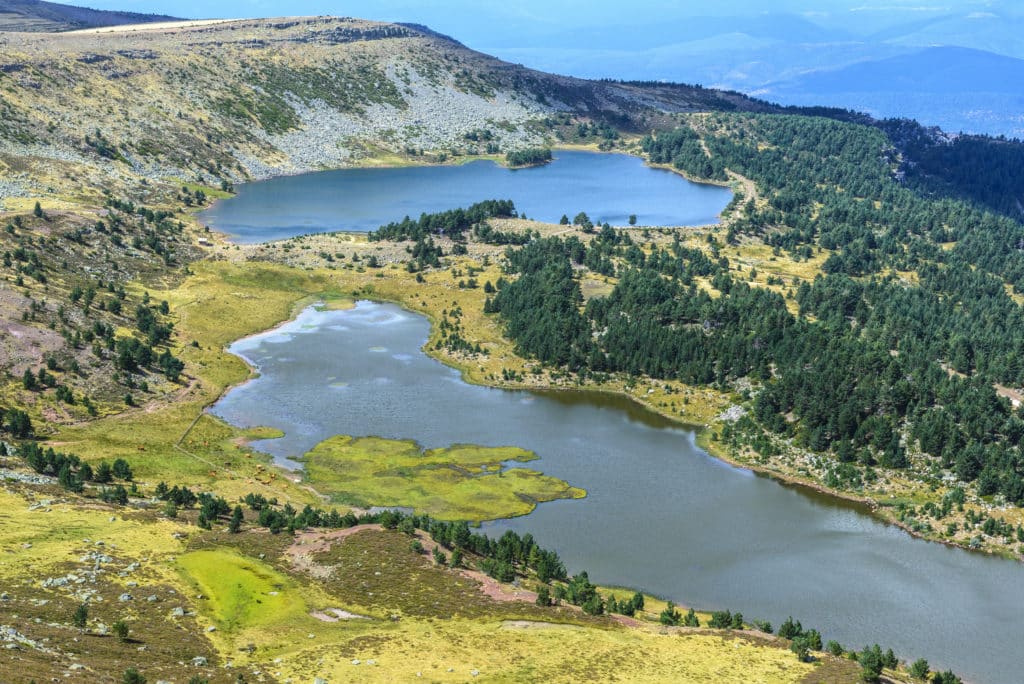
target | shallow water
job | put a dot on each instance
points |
(609, 187)
(660, 513)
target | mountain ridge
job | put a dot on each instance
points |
(244, 99)
(40, 16)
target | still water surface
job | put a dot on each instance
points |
(660, 513)
(609, 187)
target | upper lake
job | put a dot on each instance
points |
(609, 187)
(660, 514)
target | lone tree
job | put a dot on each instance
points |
(670, 616)
(870, 660)
(38, 211)
(801, 649)
(132, 676)
(236, 520)
(122, 470)
(121, 630)
(81, 616)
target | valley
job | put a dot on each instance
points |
(127, 317)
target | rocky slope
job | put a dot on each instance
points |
(252, 98)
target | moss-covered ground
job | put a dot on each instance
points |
(461, 482)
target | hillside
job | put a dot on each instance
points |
(248, 99)
(39, 16)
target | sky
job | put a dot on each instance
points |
(763, 47)
(544, 23)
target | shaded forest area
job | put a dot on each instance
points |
(895, 349)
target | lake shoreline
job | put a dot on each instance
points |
(862, 504)
(693, 205)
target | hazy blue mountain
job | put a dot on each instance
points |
(946, 70)
(952, 87)
(799, 51)
(992, 30)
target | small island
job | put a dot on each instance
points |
(531, 156)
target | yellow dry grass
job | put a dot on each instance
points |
(33, 540)
(462, 650)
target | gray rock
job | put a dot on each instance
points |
(199, 661)
(178, 612)
(125, 597)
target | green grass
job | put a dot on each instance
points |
(242, 593)
(461, 482)
(217, 305)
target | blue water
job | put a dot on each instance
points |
(660, 514)
(608, 187)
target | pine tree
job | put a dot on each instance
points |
(81, 616)
(235, 525)
(121, 630)
(132, 676)
(670, 616)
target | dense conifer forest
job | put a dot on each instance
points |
(893, 354)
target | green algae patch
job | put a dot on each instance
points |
(460, 482)
(242, 593)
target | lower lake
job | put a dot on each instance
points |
(609, 187)
(660, 514)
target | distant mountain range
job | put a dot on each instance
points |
(37, 16)
(952, 87)
(957, 68)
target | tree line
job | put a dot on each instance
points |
(917, 362)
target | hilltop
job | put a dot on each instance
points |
(49, 17)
